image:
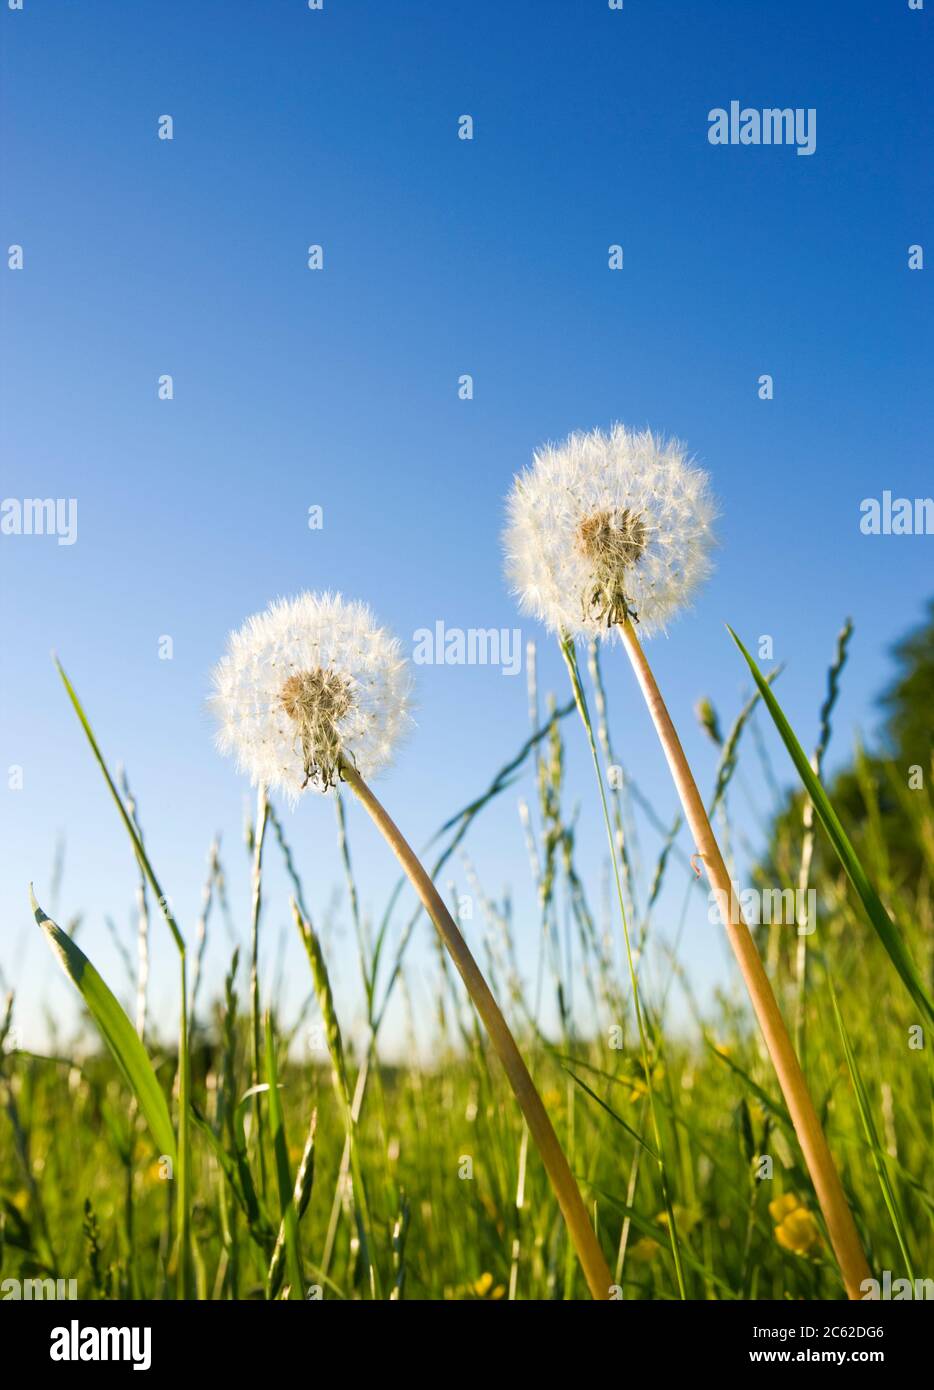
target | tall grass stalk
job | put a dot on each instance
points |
(869, 1131)
(183, 1176)
(287, 1209)
(840, 1224)
(201, 931)
(617, 789)
(142, 919)
(256, 903)
(562, 1180)
(570, 658)
(807, 846)
(335, 1044)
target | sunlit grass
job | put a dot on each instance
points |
(346, 1177)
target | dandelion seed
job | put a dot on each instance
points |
(309, 681)
(606, 527)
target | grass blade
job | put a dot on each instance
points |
(612, 1113)
(301, 1196)
(885, 929)
(283, 1176)
(116, 1030)
(322, 984)
(183, 1170)
(869, 1130)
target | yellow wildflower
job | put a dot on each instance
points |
(795, 1227)
(783, 1206)
(644, 1250)
(799, 1232)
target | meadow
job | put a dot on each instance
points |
(218, 1166)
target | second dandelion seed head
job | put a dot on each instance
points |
(608, 527)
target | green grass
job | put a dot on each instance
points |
(347, 1177)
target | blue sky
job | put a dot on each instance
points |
(339, 388)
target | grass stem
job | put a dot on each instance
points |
(570, 658)
(256, 901)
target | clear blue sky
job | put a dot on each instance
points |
(339, 388)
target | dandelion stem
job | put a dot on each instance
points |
(840, 1224)
(562, 1179)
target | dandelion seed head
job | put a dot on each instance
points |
(306, 683)
(607, 526)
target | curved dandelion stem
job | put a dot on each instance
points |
(840, 1224)
(562, 1179)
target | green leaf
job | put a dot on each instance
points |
(116, 1030)
(885, 928)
